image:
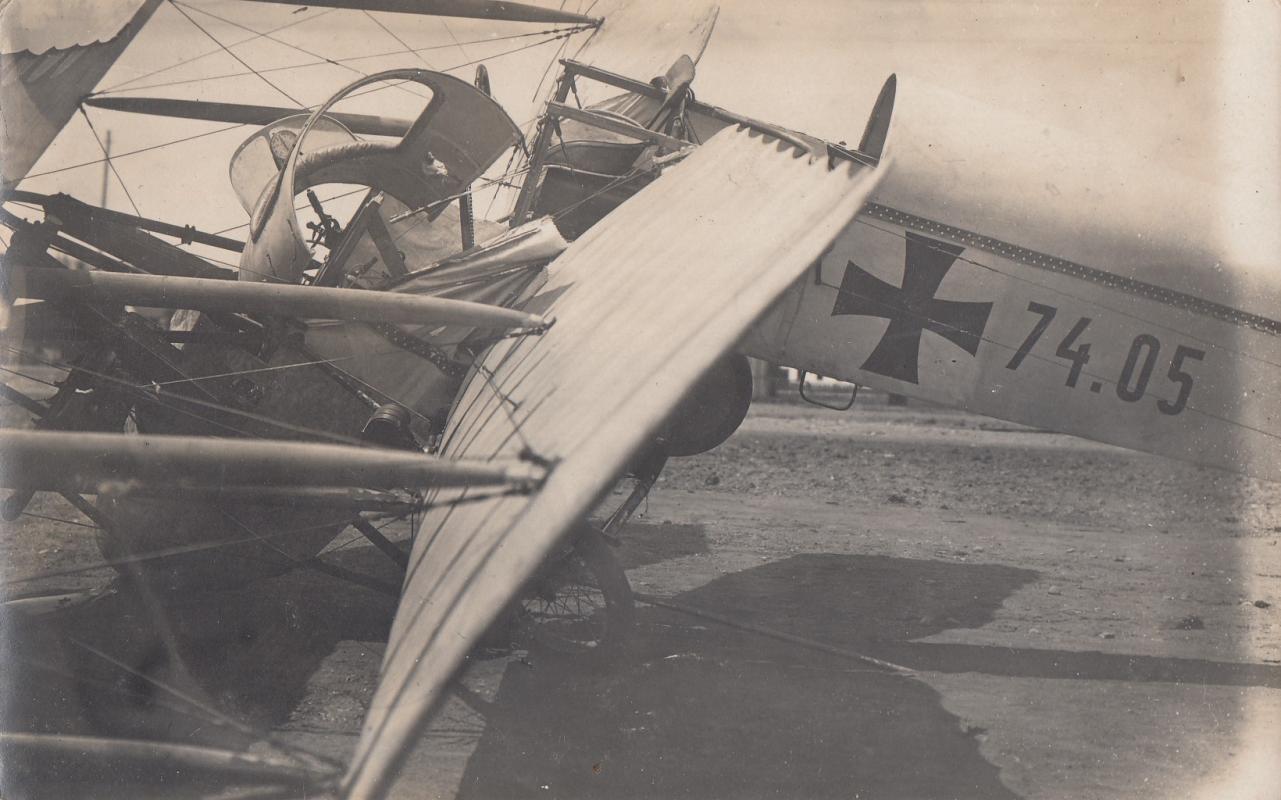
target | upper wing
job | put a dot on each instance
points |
(52, 55)
(644, 303)
(643, 40)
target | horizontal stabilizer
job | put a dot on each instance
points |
(243, 114)
(57, 460)
(475, 9)
(210, 294)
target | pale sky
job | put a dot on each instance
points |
(1146, 75)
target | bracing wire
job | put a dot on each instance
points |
(508, 405)
(226, 128)
(123, 84)
(107, 158)
(204, 547)
(30, 377)
(154, 394)
(300, 207)
(212, 713)
(553, 35)
(399, 41)
(303, 50)
(229, 52)
(34, 515)
(457, 43)
(155, 555)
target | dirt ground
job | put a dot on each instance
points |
(1069, 620)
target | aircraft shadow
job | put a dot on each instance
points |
(101, 667)
(894, 601)
(701, 710)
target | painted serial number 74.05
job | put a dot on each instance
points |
(1132, 383)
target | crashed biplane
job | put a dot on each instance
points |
(499, 379)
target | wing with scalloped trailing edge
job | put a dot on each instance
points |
(644, 303)
(51, 56)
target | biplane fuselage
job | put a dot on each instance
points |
(1028, 274)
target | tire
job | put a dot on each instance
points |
(580, 603)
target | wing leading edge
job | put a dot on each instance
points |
(644, 303)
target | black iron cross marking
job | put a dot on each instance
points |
(913, 309)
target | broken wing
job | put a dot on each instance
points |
(643, 304)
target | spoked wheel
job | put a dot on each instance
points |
(579, 603)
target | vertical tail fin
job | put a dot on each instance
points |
(878, 125)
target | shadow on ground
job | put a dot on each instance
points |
(641, 544)
(700, 710)
(213, 669)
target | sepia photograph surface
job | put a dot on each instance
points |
(621, 399)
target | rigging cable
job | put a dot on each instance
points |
(228, 51)
(413, 91)
(106, 156)
(457, 44)
(399, 41)
(155, 396)
(202, 547)
(34, 515)
(556, 33)
(212, 713)
(370, 90)
(122, 86)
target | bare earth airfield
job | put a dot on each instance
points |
(1079, 621)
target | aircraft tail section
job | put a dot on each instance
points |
(1086, 309)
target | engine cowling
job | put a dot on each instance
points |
(712, 409)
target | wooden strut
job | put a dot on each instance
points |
(62, 206)
(80, 461)
(77, 749)
(207, 294)
(560, 110)
(534, 177)
(590, 72)
(387, 546)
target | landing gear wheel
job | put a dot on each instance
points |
(580, 602)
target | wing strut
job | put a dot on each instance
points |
(212, 294)
(244, 114)
(56, 460)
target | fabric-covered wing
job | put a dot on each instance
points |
(51, 56)
(641, 40)
(644, 303)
